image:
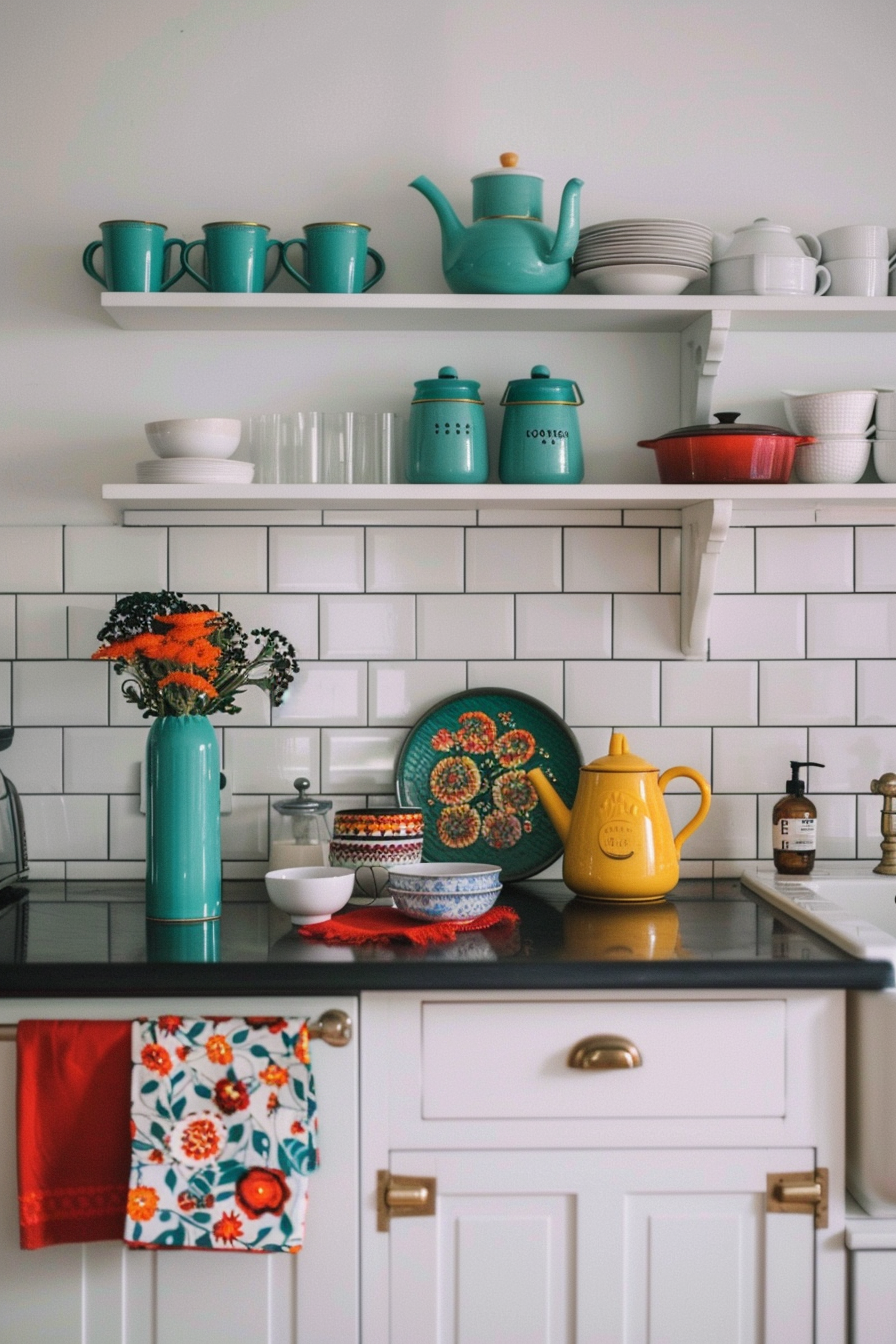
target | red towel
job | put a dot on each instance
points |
(74, 1135)
(380, 925)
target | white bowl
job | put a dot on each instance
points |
(194, 438)
(826, 413)
(310, 895)
(885, 412)
(437, 907)
(838, 461)
(640, 278)
(885, 459)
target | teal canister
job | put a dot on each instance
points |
(183, 819)
(447, 442)
(540, 439)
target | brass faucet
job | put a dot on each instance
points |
(886, 786)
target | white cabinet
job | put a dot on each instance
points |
(105, 1294)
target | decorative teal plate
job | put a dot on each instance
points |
(465, 765)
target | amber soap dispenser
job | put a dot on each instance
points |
(794, 825)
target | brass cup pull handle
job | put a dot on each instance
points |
(407, 1196)
(605, 1052)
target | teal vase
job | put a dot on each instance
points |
(183, 820)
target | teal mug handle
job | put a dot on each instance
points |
(286, 266)
(379, 269)
(187, 269)
(273, 242)
(172, 280)
(87, 261)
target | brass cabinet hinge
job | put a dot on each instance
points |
(403, 1197)
(799, 1192)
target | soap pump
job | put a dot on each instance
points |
(794, 825)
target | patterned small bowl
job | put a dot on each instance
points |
(375, 823)
(451, 879)
(436, 907)
(372, 857)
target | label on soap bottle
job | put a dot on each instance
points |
(794, 833)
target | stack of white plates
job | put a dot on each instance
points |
(643, 256)
(194, 471)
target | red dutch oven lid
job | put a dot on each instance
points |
(726, 427)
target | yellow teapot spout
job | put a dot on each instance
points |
(552, 803)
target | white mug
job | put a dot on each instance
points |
(854, 240)
(859, 277)
(765, 274)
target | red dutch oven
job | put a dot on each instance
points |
(725, 454)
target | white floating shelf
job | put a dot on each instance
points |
(488, 312)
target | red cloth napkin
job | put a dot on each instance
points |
(74, 1134)
(380, 925)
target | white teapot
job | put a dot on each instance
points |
(767, 258)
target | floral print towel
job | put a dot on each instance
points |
(223, 1133)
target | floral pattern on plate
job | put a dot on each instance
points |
(223, 1133)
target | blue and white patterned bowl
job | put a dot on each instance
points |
(435, 907)
(445, 878)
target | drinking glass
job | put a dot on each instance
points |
(287, 449)
(325, 448)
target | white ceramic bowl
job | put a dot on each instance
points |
(885, 412)
(840, 461)
(310, 895)
(640, 278)
(436, 907)
(213, 437)
(885, 459)
(826, 413)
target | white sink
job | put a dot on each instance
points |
(856, 909)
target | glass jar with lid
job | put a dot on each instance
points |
(300, 830)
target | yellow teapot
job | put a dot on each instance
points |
(617, 840)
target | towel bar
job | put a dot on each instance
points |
(334, 1027)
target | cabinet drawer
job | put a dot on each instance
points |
(712, 1058)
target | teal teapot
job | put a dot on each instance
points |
(507, 249)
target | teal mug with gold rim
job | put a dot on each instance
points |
(136, 255)
(235, 257)
(335, 259)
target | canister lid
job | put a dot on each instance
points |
(447, 387)
(302, 805)
(540, 387)
(620, 758)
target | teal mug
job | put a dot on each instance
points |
(135, 256)
(336, 259)
(235, 258)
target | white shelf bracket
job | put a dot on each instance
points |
(702, 349)
(704, 527)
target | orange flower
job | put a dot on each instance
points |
(142, 1203)
(274, 1076)
(296, 1128)
(273, 1103)
(515, 747)
(262, 1190)
(301, 1052)
(200, 1139)
(186, 1202)
(218, 1050)
(182, 1052)
(170, 1024)
(156, 1058)
(228, 1227)
(191, 679)
(189, 618)
(156, 1155)
(477, 732)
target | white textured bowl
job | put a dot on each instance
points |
(826, 413)
(310, 895)
(885, 460)
(885, 412)
(208, 437)
(832, 461)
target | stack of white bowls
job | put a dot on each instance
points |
(838, 421)
(885, 437)
(194, 452)
(643, 256)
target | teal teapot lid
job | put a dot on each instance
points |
(507, 192)
(542, 389)
(447, 387)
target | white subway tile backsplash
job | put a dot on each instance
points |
(401, 692)
(875, 559)
(267, 760)
(663, 747)
(334, 693)
(734, 569)
(710, 693)
(758, 627)
(836, 833)
(514, 560)
(857, 625)
(359, 760)
(869, 833)
(729, 832)
(613, 692)
(607, 560)
(647, 626)
(41, 626)
(254, 706)
(31, 559)
(367, 626)
(295, 617)
(232, 559)
(66, 826)
(244, 831)
(60, 693)
(127, 828)
(317, 560)
(875, 700)
(87, 613)
(5, 693)
(755, 760)
(852, 757)
(95, 870)
(818, 692)
(541, 679)
(103, 760)
(471, 625)
(563, 625)
(804, 559)
(33, 760)
(123, 559)
(8, 626)
(415, 560)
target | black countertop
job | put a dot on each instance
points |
(92, 939)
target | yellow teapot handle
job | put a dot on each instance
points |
(677, 772)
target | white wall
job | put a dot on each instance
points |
(290, 112)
